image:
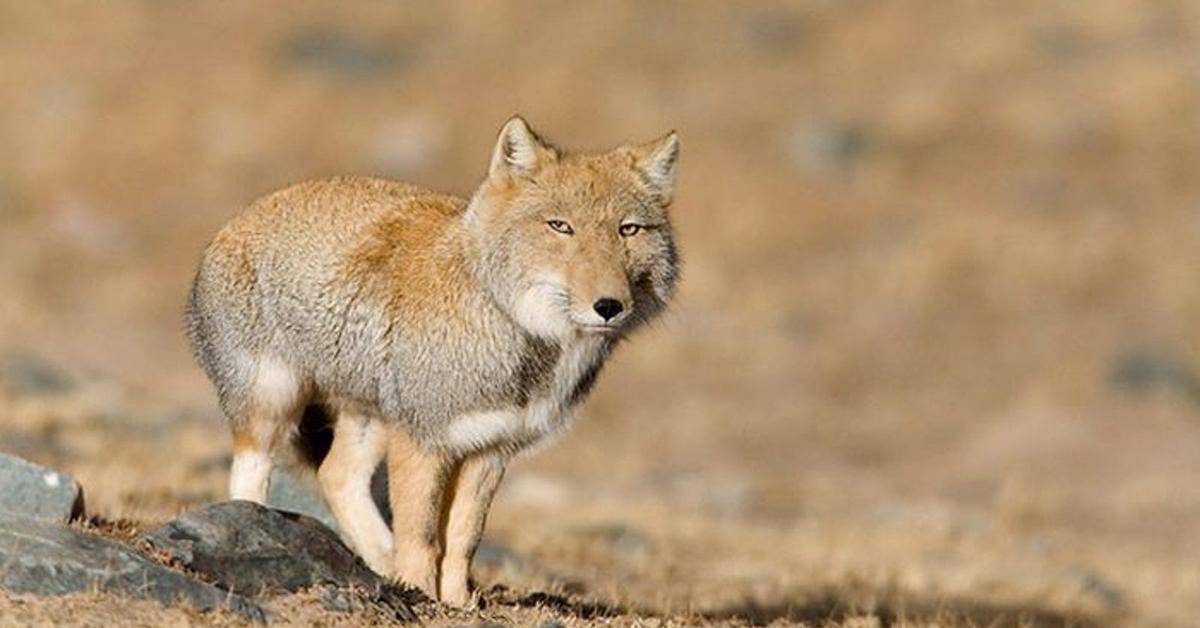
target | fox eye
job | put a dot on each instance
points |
(560, 226)
(628, 229)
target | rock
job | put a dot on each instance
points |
(341, 55)
(827, 148)
(46, 558)
(27, 374)
(31, 491)
(361, 601)
(251, 550)
(1146, 370)
(291, 494)
(620, 537)
(498, 557)
(1093, 584)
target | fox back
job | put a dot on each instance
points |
(473, 323)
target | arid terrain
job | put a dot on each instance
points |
(935, 358)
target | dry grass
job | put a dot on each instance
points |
(935, 353)
(662, 550)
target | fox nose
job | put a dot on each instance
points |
(608, 308)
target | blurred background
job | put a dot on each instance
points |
(937, 344)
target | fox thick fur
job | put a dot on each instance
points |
(443, 334)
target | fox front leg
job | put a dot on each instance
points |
(471, 491)
(417, 483)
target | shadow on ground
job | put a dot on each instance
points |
(560, 604)
(834, 608)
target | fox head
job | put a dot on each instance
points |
(576, 243)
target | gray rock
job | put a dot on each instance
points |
(1146, 370)
(46, 558)
(620, 537)
(292, 494)
(27, 374)
(826, 147)
(360, 601)
(499, 557)
(251, 550)
(29, 490)
(341, 55)
(1096, 585)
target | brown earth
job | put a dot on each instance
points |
(935, 357)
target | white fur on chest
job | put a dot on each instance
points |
(543, 416)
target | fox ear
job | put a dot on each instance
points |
(519, 151)
(657, 160)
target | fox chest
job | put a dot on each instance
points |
(545, 413)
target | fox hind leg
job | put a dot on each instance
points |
(251, 470)
(359, 445)
(270, 410)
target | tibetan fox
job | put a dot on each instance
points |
(440, 334)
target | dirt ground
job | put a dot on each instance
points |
(936, 355)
